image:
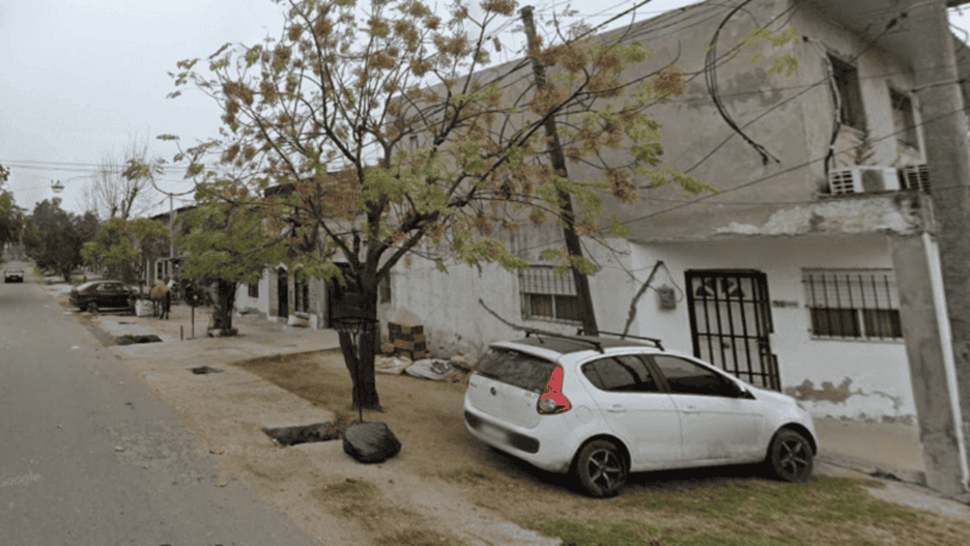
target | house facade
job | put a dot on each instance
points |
(168, 266)
(790, 278)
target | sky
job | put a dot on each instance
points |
(82, 78)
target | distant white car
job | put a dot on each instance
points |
(13, 274)
(600, 408)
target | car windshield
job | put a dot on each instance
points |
(519, 369)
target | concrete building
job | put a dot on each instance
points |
(168, 265)
(790, 278)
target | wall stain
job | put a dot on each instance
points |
(835, 394)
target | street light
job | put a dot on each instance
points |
(57, 186)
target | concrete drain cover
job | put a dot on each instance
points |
(317, 432)
(130, 339)
(201, 370)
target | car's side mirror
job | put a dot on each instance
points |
(742, 391)
(735, 390)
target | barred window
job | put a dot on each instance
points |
(254, 288)
(852, 303)
(547, 295)
(904, 121)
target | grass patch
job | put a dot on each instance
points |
(275, 358)
(604, 534)
(753, 512)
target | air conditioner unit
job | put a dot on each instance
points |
(861, 179)
(915, 177)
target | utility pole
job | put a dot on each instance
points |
(559, 164)
(171, 235)
(944, 422)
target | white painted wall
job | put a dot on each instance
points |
(260, 303)
(865, 380)
(447, 303)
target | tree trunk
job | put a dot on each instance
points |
(224, 302)
(360, 359)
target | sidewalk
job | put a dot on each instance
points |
(877, 449)
(890, 453)
(257, 336)
(228, 411)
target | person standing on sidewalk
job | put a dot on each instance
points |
(167, 299)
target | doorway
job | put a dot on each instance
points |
(283, 292)
(730, 323)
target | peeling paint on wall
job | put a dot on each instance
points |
(836, 394)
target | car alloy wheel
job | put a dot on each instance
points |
(790, 456)
(600, 469)
(92, 307)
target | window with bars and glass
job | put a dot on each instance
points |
(853, 303)
(547, 295)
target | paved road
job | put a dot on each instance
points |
(88, 456)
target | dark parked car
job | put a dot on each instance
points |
(96, 295)
(13, 274)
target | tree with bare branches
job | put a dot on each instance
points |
(394, 138)
(115, 191)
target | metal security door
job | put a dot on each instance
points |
(730, 320)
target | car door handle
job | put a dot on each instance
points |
(691, 409)
(616, 408)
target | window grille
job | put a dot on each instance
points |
(904, 121)
(547, 295)
(850, 94)
(852, 303)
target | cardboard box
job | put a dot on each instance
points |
(409, 337)
(396, 329)
(411, 345)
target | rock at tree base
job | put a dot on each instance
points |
(371, 442)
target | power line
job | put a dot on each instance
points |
(785, 171)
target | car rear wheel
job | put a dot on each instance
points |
(790, 456)
(600, 469)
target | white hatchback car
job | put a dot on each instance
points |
(600, 408)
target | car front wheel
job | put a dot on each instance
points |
(92, 308)
(600, 469)
(790, 456)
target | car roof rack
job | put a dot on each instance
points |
(539, 333)
(653, 340)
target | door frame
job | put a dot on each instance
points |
(282, 292)
(756, 325)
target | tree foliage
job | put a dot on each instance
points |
(226, 244)
(392, 140)
(127, 248)
(11, 220)
(54, 237)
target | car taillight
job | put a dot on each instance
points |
(552, 399)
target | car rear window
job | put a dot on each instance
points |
(518, 369)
